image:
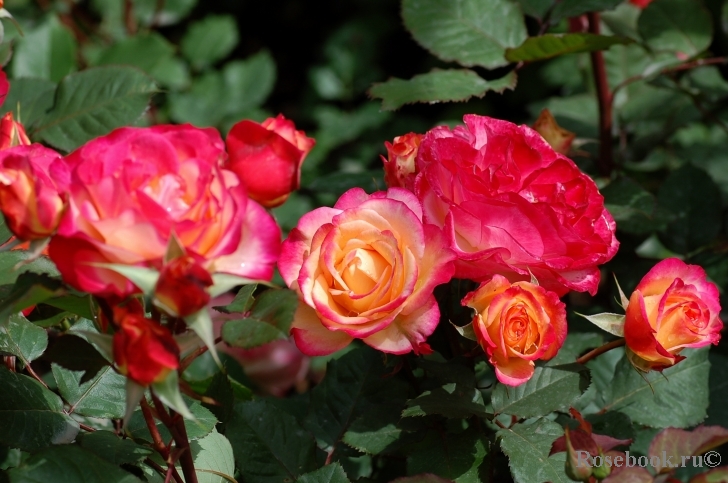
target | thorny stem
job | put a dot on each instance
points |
(176, 425)
(600, 350)
(156, 437)
(605, 162)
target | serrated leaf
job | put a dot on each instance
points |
(248, 82)
(677, 397)
(22, 338)
(276, 307)
(241, 303)
(454, 456)
(28, 100)
(374, 433)
(678, 26)
(47, 52)
(268, 444)
(612, 323)
(633, 208)
(92, 103)
(31, 416)
(452, 85)
(101, 397)
(213, 459)
(204, 422)
(527, 447)
(250, 332)
(574, 8)
(548, 46)
(451, 400)
(469, 32)
(73, 463)
(126, 52)
(549, 389)
(332, 473)
(12, 259)
(30, 289)
(112, 448)
(209, 40)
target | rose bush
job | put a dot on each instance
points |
(516, 324)
(366, 269)
(131, 189)
(509, 203)
(673, 307)
(267, 157)
(33, 180)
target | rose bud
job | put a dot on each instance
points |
(399, 167)
(12, 133)
(4, 84)
(516, 324)
(673, 307)
(182, 287)
(640, 3)
(558, 138)
(144, 350)
(32, 181)
(267, 158)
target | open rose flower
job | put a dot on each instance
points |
(144, 350)
(517, 324)
(672, 308)
(399, 167)
(509, 203)
(131, 189)
(33, 180)
(267, 157)
(366, 269)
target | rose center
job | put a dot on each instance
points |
(518, 331)
(364, 270)
(168, 192)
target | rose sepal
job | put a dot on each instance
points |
(612, 323)
(144, 278)
(466, 331)
(201, 323)
(169, 393)
(134, 394)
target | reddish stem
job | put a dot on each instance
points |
(185, 363)
(600, 350)
(604, 96)
(176, 425)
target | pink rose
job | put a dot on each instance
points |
(134, 187)
(366, 269)
(509, 203)
(516, 324)
(267, 157)
(673, 307)
(399, 167)
(32, 184)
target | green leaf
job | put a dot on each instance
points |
(203, 423)
(352, 387)
(22, 338)
(535, 8)
(679, 26)
(633, 208)
(466, 31)
(28, 100)
(209, 40)
(31, 416)
(79, 305)
(451, 400)
(11, 259)
(549, 389)
(527, 447)
(213, 459)
(221, 390)
(452, 85)
(101, 397)
(249, 82)
(332, 473)
(241, 303)
(373, 433)
(718, 410)
(552, 45)
(612, 323)
(30, 289)
(276, 307)
(575, 345)
(695, 202)
(112, 448)
(677, 397)
(127, 52)
(250, 332)
(47, 52)
(201, 104)
(574, 8)
(172, 72)
(268, 444)
(92, 103)
(172, 11)
(454, 456)
(70, 463)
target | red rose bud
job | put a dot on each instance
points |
(640, 3)
(182, 287)
(33, 180)
(4, 84)
(267, 158)
(144, 350)
(399, 168)
(12, 133)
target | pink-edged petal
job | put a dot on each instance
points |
(311, 337)
(515, 372)
(407, 332)
(351, 199)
